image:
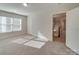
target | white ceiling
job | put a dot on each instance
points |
(36, 7)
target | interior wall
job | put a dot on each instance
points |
(72, 29)
(39, 24)
(10, 34)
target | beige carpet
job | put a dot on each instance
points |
(35, 44)
(7, 47)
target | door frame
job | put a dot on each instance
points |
(53, 26)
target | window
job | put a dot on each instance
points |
(16, 24)
(8, 24)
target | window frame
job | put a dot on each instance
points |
(11, 24)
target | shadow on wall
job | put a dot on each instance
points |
(42, 37)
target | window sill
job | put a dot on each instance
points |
(10, 32)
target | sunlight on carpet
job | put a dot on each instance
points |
(20, 41)
(35, 44)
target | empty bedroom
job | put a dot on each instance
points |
(39, 29)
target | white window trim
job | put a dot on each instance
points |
(12, 24)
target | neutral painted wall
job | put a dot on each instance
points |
(10, 34)
(39, 24)
(72, 29)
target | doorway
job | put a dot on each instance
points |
(59, 27)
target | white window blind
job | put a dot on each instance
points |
(9, 24)
(16, 24)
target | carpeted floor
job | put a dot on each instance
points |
(28, 45)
